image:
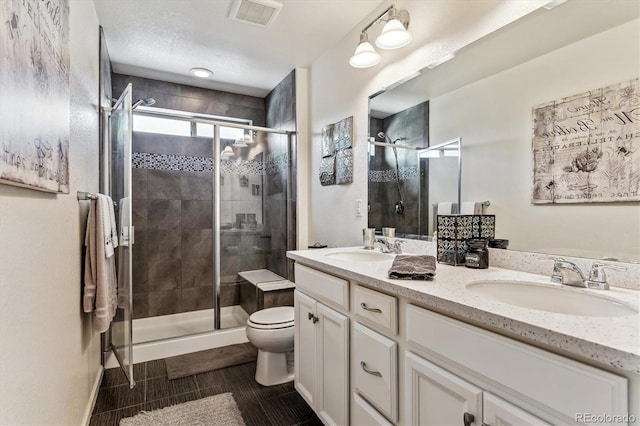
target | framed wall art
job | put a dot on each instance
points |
(586, 148)
(34, 82)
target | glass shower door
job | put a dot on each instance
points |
(120, 128)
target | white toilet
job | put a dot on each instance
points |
(271, 331)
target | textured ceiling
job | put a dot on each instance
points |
(164, 39)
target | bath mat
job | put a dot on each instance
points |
(211, 359)
(212, 411)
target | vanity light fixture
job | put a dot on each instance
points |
(393, 36)
(244, 141)
(227, 152)
(201, 72)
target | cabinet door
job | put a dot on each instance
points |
(332, 398)
(305, 354)
(434, 396)
(498, 412)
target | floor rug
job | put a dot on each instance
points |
(211, 359)
(212, 411)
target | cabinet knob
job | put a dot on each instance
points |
(310, 315)
(315, 319)
(366, 308)
(366, 370)
(468, 418)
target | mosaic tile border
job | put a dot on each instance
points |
(145, 160)
(406, 173)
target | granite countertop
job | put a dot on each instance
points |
(613, 341)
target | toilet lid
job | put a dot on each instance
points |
(280, 317)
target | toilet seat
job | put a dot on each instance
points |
(272, 318)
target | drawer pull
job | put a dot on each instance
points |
(366, 308)
(468, 418)
(366, 369)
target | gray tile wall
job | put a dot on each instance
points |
(278, 206)
(173, 210)
(411, 124)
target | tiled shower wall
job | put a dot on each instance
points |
(280, 207)
(172, 204)
(412, 125)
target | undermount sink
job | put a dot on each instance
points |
(360, 256)
(550, 298)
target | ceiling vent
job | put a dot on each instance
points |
(257, 12)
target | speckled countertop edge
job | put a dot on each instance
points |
(612, 341)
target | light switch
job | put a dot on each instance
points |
(358, 208)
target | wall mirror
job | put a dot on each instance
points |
(484, 94)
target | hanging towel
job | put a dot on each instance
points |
(100, 284)
(445, 208)
(471, 207)
(109, 224)
(413, 267)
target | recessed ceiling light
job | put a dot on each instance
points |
(201, 72)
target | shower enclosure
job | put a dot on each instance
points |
(210, 197)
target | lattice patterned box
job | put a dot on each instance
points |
(454, 230)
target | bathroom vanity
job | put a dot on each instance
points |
(371, 350)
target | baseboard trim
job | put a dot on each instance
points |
(94, 396)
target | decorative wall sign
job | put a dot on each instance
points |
(328, 147)
(337, 156)
(343, 134)
(344, 166)
(328, 171)
(586, 148)
(34, 82)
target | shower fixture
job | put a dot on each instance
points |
(143, 102)
(399, 208)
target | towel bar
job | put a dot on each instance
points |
(82, 196)
(86, 196)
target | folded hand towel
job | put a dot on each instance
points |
(413, 267)
(471, 207)
(445, 207)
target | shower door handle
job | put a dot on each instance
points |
(127, 235)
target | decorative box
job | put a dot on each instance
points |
(454, 230)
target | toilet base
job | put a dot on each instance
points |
(272, 368)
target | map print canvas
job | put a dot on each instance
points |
(586, 148)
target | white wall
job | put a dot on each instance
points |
(49, 353)
(339, 91)
(493, 117)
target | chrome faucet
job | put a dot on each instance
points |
(388, 245)
(568, 273)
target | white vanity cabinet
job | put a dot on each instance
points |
(436, 397)
(321, 343)
(555, 388)
(379, 358)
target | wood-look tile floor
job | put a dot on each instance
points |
(259, 405)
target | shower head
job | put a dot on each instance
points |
(143, 102)
(383, 135)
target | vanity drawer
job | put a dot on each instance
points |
(363, 414)
(377, 308)
(563, 386)
(332, 289)
(375, 369)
